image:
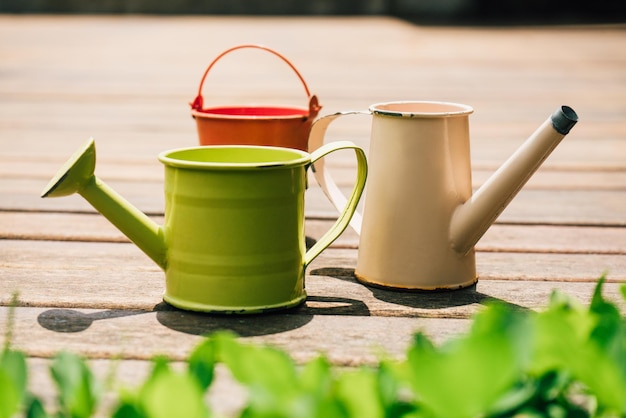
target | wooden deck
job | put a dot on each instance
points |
(127, 82)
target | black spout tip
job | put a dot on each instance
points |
(563, 119)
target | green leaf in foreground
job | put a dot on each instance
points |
(268, 373)
(170, 394)
(589, 344)
(358, 390)
(164, 394)
(78, 390)
(9, 396)
(257, 366)
(202, 362)
(12, 382)
(466, 376)
(34, 408)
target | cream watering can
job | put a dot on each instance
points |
(233, 236)
(420, 219)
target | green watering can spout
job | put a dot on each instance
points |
(77, 176)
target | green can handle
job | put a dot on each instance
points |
(344, 218)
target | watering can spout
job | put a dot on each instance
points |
(77, 176)
(472, 219)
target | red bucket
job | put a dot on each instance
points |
(255, 125)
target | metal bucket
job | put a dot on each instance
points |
(280, 126)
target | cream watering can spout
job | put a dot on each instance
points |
(420, 218)
(472, 219)
(77, 176)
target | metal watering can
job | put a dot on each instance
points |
(420, 219)
(233, 236)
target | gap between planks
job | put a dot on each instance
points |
(501, 237)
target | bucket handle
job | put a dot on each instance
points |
(314, 106)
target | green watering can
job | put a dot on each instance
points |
(233, 236)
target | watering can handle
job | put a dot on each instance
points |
(348, 208)
(326, 182)
(314, 106)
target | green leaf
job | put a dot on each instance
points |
(315, 393)
(393, 392)
(257, 366)
(78, 390)
(128, 409)
(358, 391)
(557, 334)
(608, 330)
(163, 393)
(9, 396)
(13, 363)
(316, 376)
(202, 363)
(467, 375)
(607, 340)
(160, 364)
(516, 399)
(128, 405)
(13, 393)
(35, 409)
(590, 344)
(168, 394)
(602, 377)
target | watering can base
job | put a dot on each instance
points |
(232, 310)
(415, 288)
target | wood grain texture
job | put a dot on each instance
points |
(501, 237)
(119, 276)
(554, 206)
(142, 335)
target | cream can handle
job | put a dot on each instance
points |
(323, 177)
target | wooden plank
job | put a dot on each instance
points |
(112, 118)
(135, 334)
(503, 237)
(119, 276)
(534, 267)
(500, 237)
(395, 42)
(549, 239)
(114, 103)
(536, 206)
(60, 226)
(143, 335)
(592, 144)
(564, 207)
(573, 174)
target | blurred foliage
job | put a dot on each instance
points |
(565, 361)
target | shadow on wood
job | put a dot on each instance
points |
(419, 299)
(198, 323)
(69, 320)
